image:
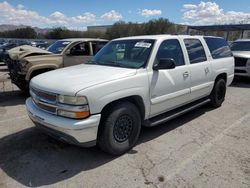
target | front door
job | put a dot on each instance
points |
(77, 54)
(170, 88)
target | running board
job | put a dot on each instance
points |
(176, 112)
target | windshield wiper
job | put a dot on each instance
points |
(92, 62)
(114, 64)
(108, 63)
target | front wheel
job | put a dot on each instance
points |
(120, 128)
(218, 93)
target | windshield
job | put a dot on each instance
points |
(58, 46)
(124, 53)
(240, 46)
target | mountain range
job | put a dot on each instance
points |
(8, 27)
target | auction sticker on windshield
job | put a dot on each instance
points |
(66, 42)
(143, 45)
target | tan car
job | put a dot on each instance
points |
(25, 62)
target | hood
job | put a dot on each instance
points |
(244, 54)
(20, 52)
(69, 81)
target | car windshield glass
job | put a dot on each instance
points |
(124, 53)
(58, 46)
(240, 46)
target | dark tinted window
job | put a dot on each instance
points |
(195, 50)
(97, 46)
(81, 49)
(241, 46)
(218, 47)
(171, 49)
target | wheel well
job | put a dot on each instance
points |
(39, 71)
(222, 76)
(136, 100)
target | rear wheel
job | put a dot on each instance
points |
(218, 93)
(120, 128)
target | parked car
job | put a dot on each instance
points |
(134, 81)
(4, 50)
(25, 62)
(241, 52)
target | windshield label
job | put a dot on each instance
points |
(65, 43)
(143, 45)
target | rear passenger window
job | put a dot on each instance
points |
(218, 47)
(171, 49)
(196, 52)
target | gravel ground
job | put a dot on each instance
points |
(204, 148)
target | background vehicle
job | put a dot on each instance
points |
(25, 62)
(4, 50)
(241, 52)
(132, 81)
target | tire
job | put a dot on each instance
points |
(218, 93)
(120, 128)
(24, 87)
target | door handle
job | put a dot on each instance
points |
(185, 74)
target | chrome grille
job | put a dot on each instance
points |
(48, 102)
(44, 96)
(43, 100)
(240, 62)
(45, 107)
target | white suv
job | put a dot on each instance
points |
(134, 81)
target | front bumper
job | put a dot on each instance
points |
(79, 132)
(15, 76)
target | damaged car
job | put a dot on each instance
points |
(25, 62)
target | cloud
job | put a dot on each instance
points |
(87, 17)
(112, 16)
(208, 13)
(148, 12)
(20, 15)
(20, 6)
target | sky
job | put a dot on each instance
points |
(77, 14)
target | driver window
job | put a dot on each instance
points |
(171, 49)
(81, 49)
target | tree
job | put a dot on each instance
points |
(27, 33)
(157, 26)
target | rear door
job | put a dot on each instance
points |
(170, 88)
(200, 68)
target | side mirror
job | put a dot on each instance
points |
(164, 64)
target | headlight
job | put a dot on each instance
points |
(73, 100)
(24, 63)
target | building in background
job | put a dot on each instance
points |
(230, 32)
(98, 28)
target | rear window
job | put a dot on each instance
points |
(196, 52)
(218, 47)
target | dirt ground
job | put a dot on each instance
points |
(204, 148)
